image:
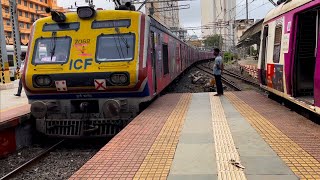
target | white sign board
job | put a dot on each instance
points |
(61, 85)
(100, 84)
(285, 42)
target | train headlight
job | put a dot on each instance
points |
(43, 81)
(38, 109)
(85, 12)
(119, 79)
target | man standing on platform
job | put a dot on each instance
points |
(23, 55)
(217, 71)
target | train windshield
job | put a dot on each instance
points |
(52, 50)
(116, 47)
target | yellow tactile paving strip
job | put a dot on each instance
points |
(158, 161)
(224, 145)
(300, 162)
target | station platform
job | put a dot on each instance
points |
(250, 66)
(12, 106)
(241, 135)
(15, 128)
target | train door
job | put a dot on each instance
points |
(317, 67)
(263, 58)
(181, 58)
(153, 61)
(305, 56)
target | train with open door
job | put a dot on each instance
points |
(87, 72)
(289, 60)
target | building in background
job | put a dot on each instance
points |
(195, 41)
(217, 17)
(28, 12)
(241, 25)
(166, 13)
(207, 16)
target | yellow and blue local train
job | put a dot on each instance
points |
(87, 72)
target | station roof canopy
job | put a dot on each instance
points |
(251, 35)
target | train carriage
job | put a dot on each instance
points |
(87, 72)
(11, 60)
(289, 61)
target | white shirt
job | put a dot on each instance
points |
(21, 68)
(217, 65)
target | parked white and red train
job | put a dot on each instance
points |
(289, 61)
(87, 72)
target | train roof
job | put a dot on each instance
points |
(285, 7)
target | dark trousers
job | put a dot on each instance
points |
(219, 84)
(20, 87)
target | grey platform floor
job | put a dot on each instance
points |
(195, 154)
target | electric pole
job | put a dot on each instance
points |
(3, 52)
(15, 32)
(247, 11)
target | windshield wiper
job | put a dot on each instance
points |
(118, 47)
(53, 50)
(124, 40)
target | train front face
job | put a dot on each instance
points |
(84, 75)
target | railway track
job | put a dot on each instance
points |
(235, 75)
(31, 162)
(224, 80)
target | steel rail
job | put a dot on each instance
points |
(225, 80)
(28, 163)
(235, 75)
(238, 76)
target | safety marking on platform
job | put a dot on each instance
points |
(14, 107)
(298, 160)
(226, 151)
(159, 159)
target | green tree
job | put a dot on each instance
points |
(213, 41)
(227, 56)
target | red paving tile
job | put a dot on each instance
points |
(298, 128)
(123, 155)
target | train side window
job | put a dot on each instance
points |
(10, 60)
(165, 54)
(277, 44)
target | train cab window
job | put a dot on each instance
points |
(116, 47)
(165, 55)
(277, 44)
(51, 50)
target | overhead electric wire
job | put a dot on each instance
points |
(236, 15)
(254, 8)
(114, 38)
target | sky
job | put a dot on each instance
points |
(191, 17)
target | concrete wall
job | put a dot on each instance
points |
(15, 134)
